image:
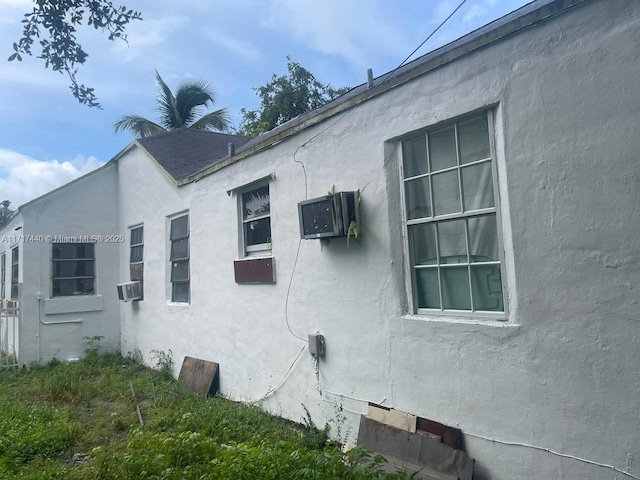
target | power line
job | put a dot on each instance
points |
(390, 74)
(384, 80)
(304, 144)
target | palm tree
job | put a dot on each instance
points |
(179, 110)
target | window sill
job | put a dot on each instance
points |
(76, 304)
(445, 317)
(179, 304)
(257, 254)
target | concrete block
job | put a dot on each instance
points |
(388, 440)
(424, 451)
(394, 418)
(417, 472)
(443, 458)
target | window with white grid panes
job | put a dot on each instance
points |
(451, 218)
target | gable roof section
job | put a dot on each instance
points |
(180, 153)
(185, 151)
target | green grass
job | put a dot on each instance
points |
(49, 413)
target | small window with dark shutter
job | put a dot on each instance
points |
(179, 259)
(137, 245)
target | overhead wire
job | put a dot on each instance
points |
(387, 77)
(305, 143)
(374, 88)
(284, 379)
(548, 450)
(304, 170)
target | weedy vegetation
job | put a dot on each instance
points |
(80, 421)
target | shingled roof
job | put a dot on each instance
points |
(184, 151)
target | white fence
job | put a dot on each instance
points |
(9, 322)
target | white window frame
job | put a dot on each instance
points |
(77, 277)
(261, 249)
(501, 262)
(186, 260)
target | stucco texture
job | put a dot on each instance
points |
(561, 372)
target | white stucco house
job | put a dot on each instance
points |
(494, 285)
(51, 262)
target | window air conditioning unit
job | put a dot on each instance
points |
(328, 216)
(129, 291)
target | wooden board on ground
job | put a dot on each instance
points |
(200, 376)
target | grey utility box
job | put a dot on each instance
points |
(316, 344)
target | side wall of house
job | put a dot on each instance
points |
(60, 326)
(148, 198)
(560, 373)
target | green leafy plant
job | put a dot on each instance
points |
(163, 362)
(354, 228)
(51, 27)
(285, 97)
(50, 416)
(93, 348)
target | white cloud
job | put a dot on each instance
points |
(479, 10)
(443, 9)
(239, 47)
(339, 27)
(16, 3)
(23, 178)
(146, 36)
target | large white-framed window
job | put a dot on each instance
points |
(3, 274)
(256, 220)
(179, 259)
(15, 262)
(74, 269)
(451, 219)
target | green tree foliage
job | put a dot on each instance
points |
(53, 24)
(182, 109)
(6, 212)
(285, 97)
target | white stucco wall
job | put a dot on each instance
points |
(58, 327)
(560, 373)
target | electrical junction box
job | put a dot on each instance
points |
(316, 344)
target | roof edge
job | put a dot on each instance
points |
(469, 43)
(108, 164)
(170, 177)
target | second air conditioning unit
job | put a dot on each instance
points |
(129, 291)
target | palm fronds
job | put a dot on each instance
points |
(218, 120)
(139, 126)
(183, 109)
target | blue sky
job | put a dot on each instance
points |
(47, 138)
